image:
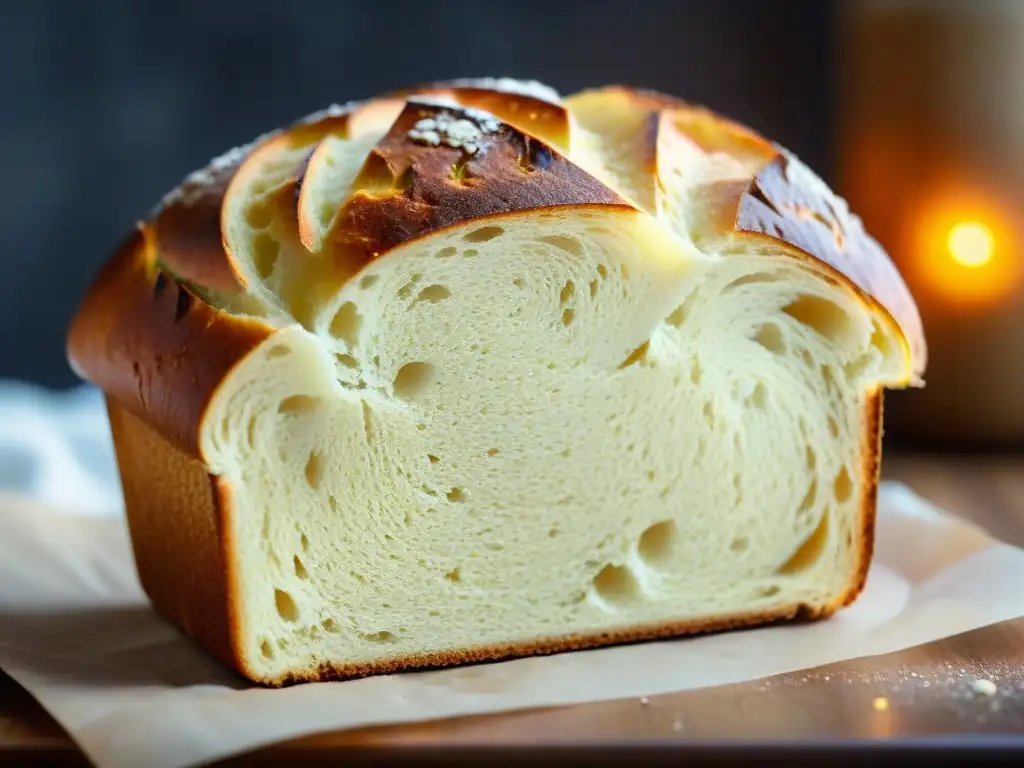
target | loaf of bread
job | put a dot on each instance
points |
(470, 371)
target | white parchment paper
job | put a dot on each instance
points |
(77, 632)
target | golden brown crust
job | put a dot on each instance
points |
(175, 516)
(187, 236)
(410, 187)
(149, 342)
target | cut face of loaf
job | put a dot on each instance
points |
(473, 384)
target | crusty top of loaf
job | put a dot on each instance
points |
(167, 318)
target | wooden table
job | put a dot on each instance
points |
(921, 692)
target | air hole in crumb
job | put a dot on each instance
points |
(810, 552)
(768, 591)
(492, 451)
(304, 541)
(267, 650)
(368, 281)
(842, 486)
(483, 234)
(677, 316)
(332, 501)
(833, 426)
(456, 494)
(567, 244)
(624, 269)
(379, 637)
(695, 371)
(298, 404)
(406, 290)
(616, 585)
(454, 576)
(329, 625)
(638, 356)
(810, 457)
(518, 282)
(346, 323)
(553, 533)
(567, 291)
(300, 569)
(566, 453)
(567, 317)
(434, 294)
(809, 497)
(446, 253)
(658, 541)
(265, 250)
(757, 277)
(279, 351)
(286, 607)
(470, 253)
(259, 216)
(432, 458)
(593, 289)
(314, 469)
(759, 397)
(602, 270)
(739, 544)
(820, 315)
(709, 413)
(347, 360)
(880, 340)
(412, 379)
(770, 337)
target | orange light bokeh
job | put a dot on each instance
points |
(965, 251)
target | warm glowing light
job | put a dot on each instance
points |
(971, 244)
(966, 249)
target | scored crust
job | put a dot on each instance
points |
(150, 333)
(770, 194)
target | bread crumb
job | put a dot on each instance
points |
(984, 688)
(881, 704)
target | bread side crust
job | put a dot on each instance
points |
(180, 518)
(176, 512)
(153, 345)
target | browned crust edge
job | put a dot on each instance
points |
(151, 343)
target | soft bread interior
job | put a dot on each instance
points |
(546, 425)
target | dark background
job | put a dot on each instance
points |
(108, 104)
